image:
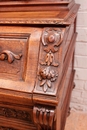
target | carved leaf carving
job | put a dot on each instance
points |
(45, 87)
(10, 56)
(50, 60)
(43, 82)
(49, 83)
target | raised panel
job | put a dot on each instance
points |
(19, 49)
(13, 53)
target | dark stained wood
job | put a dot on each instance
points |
(37, 43)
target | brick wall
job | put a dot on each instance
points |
(79, 94)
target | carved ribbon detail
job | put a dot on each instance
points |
(43, 117)
(10, 56)
(51, 40)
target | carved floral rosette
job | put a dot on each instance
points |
(48, 65)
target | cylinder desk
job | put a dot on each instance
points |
(37, 42)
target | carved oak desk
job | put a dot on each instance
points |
(37, 41)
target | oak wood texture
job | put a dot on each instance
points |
(37, 42)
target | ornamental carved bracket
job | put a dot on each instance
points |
(9, 56)
(51, 39)
(43, 117)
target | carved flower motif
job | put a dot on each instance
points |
(46, 77)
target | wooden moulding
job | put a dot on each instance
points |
(44, 17)
(35, 2)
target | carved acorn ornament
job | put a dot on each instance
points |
(9, 56)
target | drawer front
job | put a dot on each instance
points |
(13, 53)
(19, 49)
(16, 118)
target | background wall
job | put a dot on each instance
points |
(79, 95)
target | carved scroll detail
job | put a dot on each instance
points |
(43, 117)
(10, 56)
(51, 40)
